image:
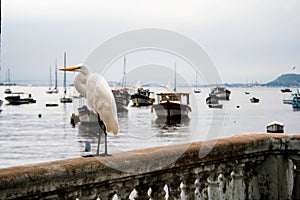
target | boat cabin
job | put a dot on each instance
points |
(275, 127)
(180, 97)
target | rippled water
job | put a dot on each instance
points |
(26, 138)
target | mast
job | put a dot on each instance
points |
(124, 74)
(175, 81)
(65, 75)
(50, 85)
(56, 74)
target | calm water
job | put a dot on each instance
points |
(25, 138)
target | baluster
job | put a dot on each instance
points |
(201, 188)
(223, 187)
(88, 193)
(157, 190)
(174, 188)
(296, 187)
(238, 184)
(188, 187)
(124, 189)
(141, 192)
(213, 187)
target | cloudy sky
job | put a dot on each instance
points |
(247, 41)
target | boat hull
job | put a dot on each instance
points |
(87, 117)
(141, 100)
(171, 110)
(122, 98)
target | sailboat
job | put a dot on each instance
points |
(8, 83)
(197, 90)
(65, 98)
(121, 95)
(55, 89)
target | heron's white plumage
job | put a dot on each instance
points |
(100, 99)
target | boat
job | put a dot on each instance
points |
(292, 96)
(142, 97)
(8, 83)
(254, 100)
(16, 98)
(172, 105)
(65, 98)
(55, 89)
(215, 105)
(212, 99)
(87, 117)
(286, 90)
(197, 90)
(275, 127)
(1, 102)
(51, 104)
(122, 98)
(221, 93)
(296, 102)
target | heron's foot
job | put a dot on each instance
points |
(101, 155)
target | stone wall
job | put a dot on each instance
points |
(249, 166)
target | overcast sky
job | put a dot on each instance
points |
(248, 41)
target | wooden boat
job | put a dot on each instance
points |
(286, 90)
(51, 104)
(275, 127)
(221, 93)
(215, 105)
(254, 100)
(16, 99)
(122, 98)
(143, 97)
(172, 105)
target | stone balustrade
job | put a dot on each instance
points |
(249, 166)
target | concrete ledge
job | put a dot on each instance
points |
(46, 177)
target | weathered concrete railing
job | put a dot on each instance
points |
(250, 166)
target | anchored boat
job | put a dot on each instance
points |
(16, 98)
(143, 97)
(172, 105)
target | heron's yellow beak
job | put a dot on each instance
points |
(73, 68)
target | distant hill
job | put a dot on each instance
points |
(286, 80)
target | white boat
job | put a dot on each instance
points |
(8, 83)
(172, 105)
(221, 93)
(275, 127)
(65, 98)
(55, 89)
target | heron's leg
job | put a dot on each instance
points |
(105, 136)
(99, 136)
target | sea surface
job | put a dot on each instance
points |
(26, 138)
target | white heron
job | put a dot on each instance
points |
(100, 99)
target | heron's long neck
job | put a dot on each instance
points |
(79, 83)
